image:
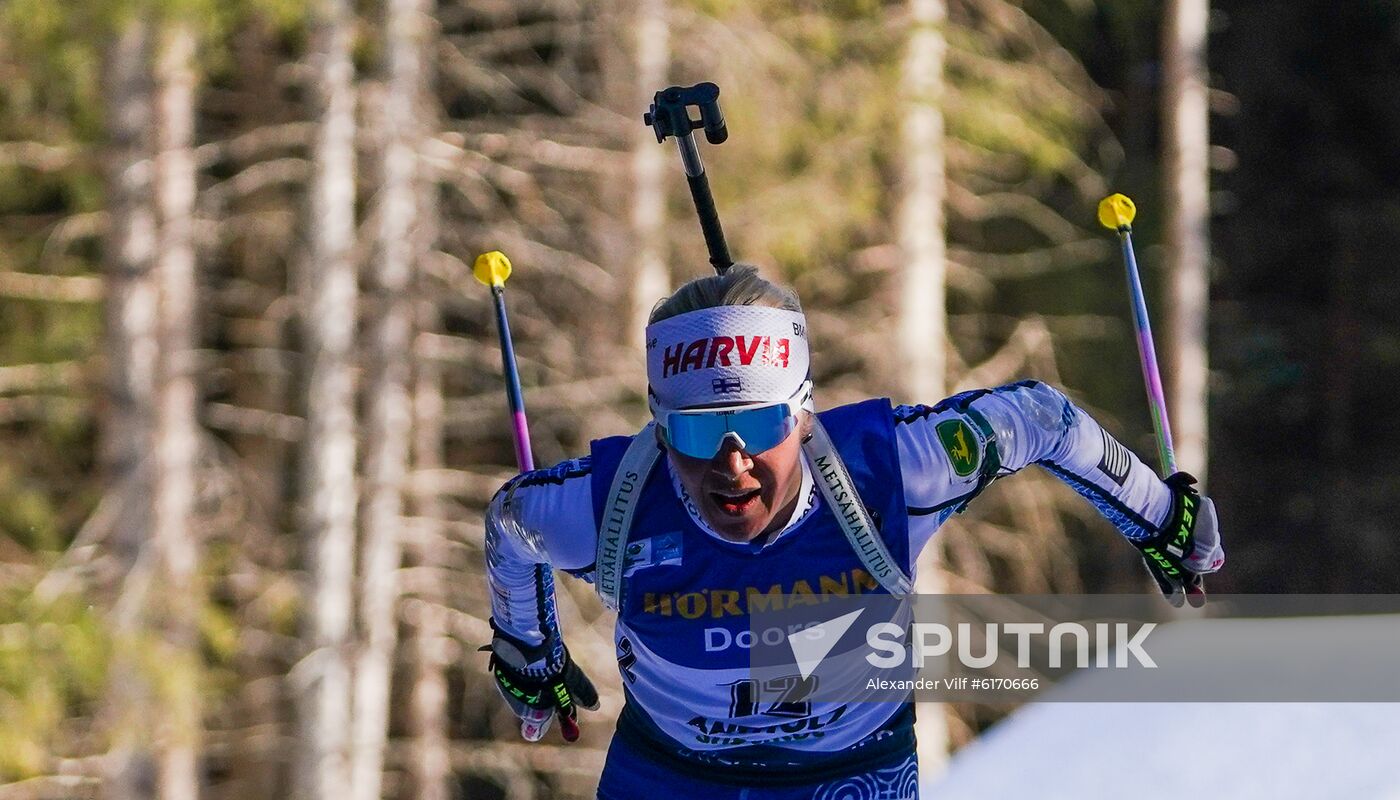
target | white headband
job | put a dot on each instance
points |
(727, 355)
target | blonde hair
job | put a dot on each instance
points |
(740, 285)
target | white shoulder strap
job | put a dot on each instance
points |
(841, 495)
(632, 472)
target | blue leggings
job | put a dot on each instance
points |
(628, 775)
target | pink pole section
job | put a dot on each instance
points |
(523, 457)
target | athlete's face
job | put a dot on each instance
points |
(744, 495)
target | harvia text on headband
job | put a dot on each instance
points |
(726, 355)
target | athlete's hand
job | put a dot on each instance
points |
(1187, 547)
(537, 687)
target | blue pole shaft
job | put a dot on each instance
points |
(1147, 355)
(514, 396)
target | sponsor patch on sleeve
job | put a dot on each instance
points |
(961, 445)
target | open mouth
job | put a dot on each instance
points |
(735, 503)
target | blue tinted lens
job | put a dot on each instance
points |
(763, 428)
(700, 435)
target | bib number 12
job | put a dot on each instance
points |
(791, 693)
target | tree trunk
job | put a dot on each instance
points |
(326, 284)
(650, 277)
(387, 432)
(429, 767)
(921, 288)
(130, 380)
(429, 762)
(131, 290)
(1337, 442)
(1186, 118)
(921, 223)
(176, 435)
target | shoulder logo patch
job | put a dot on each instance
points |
(957, 439)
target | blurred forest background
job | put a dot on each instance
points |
(251, 406)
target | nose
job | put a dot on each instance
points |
(731, 461)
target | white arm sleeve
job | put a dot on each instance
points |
(538, 520)
(1010, 427)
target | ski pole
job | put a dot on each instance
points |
(493, 269)
(670, 116)
(1116, 212)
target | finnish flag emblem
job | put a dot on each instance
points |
(726, 385)
(657, 551)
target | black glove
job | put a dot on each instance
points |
(537, 683)
(1186, 547)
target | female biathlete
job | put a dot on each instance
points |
(721, 496)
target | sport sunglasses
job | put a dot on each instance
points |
(700, 433)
